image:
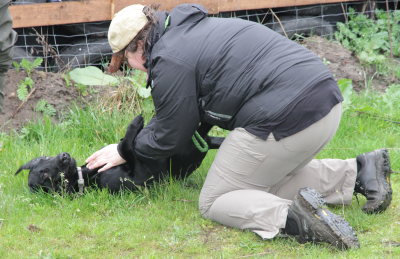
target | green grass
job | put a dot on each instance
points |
(154, 224)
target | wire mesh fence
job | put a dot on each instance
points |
(78, 45)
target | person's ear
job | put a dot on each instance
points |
(140, 46)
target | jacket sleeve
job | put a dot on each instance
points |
(177, 115)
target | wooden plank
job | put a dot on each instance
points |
(102, 10)
(235, 5)
(215, 7)
(211, 5)
(60, 13)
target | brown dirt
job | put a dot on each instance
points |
(52, 86)
(49, 86)
(343, 64)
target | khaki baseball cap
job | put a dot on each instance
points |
(125, 25)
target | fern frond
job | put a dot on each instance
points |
(41, 105)
(37, 62)
(49, 111)
(22, 92)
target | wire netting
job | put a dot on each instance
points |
(78, 45)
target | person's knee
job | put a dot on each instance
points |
(204, 206)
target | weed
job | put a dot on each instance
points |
(144, 93)
(82, 89)
(45, 107)
(67, 79)
(369, 39)
(24, 132)
(326, 62)
(104, 62)
(30, 66)
(17, 66)
(346, 88)
(92, 90)
(22, 91)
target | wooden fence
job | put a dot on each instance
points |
(103, 10)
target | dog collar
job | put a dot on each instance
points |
(81, 182)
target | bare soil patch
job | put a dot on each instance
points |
(49, 86)
(52, 86)
(344, 64)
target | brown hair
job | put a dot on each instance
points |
(143, 35)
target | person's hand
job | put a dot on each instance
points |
(107, 156)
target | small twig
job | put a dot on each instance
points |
(168, 242)
(264, 253)
(379, 117)
(99, 136)
(140, 78)
(46, 47)
(33, 90)
(45, 52)
(264, 17)
(68, 65)
(207, 234)
(350, 148)
(279, 22)
(373, 11)
(364, 6)
(112, 9)
(390, 38)
(344, 13)
(183, 200)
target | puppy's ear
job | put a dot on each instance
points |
(126, 146)
(135, 126)
(26, 166)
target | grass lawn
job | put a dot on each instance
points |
(159, 224)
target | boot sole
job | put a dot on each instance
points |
(386, 199)
(335, 226)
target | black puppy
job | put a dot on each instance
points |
(47, 172)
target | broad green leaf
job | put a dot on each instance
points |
(148, 105)
(92, 76)
(144, 92)
(346, 88)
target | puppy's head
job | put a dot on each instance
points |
(45, 171)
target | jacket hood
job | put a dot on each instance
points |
(182, 14)
(155, 34)
(187, 13)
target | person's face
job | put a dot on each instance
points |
(135, 60)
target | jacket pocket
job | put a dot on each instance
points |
(241, 160)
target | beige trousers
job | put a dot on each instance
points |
(252, 182)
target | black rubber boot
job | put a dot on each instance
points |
(373, 180)
(317, 224)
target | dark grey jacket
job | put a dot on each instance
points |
(226, 72)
